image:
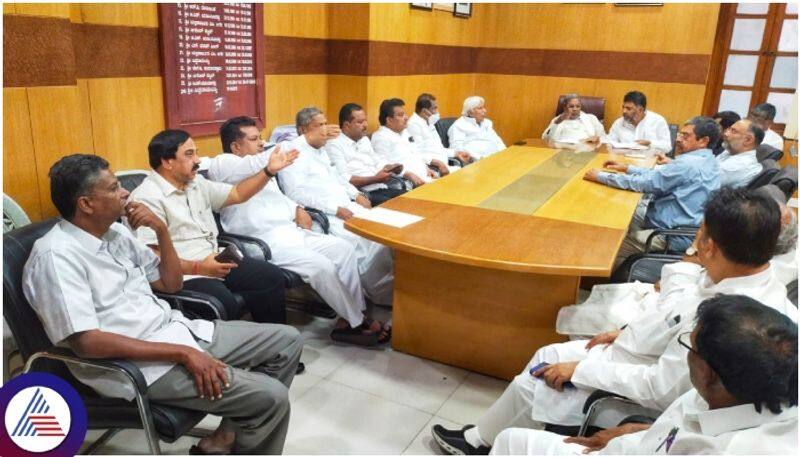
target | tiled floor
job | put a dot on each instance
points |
(360, 401)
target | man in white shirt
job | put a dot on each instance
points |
(763, 114)
(738, 164)
(640, 125)
(393, 144)
(185, 200)
(473, 132)
(352, 154)
(573, 125)
(730, 410)
(421, 127)
(325, 262)
(785, 259)
(90, 282)
(644, 361)
(314, 182)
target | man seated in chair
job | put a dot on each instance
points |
(393, 143)
(679, 188)
(763, 114)
(185, 200)
(640, 125)
(325, 262)
(644, 361)
(422, 128)
(473, 132)
(738, 163)
(742, 361)
(90, 282)
(352, 154)
(314, 182)
(573, 124)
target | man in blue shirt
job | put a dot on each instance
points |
(679, 187)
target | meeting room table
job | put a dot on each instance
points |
(502, 247)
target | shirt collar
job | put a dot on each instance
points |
(166, 187)
(696, 152)
(472, 120)
(390, 131)
(714, 422)
(90, 242)
(731, 285)
(417, 119)
(346, 140)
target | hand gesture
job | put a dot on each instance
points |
(592, 139)
(600, 439)
(603, 338)
(279, 160)
(302, 218)
(614, 165)
(443, 170)
(210, 267)
(139, 215)
(661, 159)
(643, 142)
(465, 157)
(332, 131)
(384, 175)
(557, 374)
(344, 213)
(209, 373)
(592, 175)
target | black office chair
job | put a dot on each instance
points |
(765, 151)
(786, 181)
(158, 421)
(673, 137)
(605, 409)
(791, 291)
(590, 105)
(769, 170)
(669, 236)
(643, 267)
(442, 127)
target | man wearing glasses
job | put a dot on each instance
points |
(729, 410)
(643, 362)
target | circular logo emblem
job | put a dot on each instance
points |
(43, 415)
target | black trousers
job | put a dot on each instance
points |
(260, 283)
(378, 196)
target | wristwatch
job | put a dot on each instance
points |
(267, 172)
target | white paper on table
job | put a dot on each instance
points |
(792, 202)
(636, 155)
(616, 145)
(389, 217)
(568, 141)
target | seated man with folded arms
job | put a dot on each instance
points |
(680, 187)
(738, 164)
(742, 361)
(725, 119)
(393, 144)
(640, 125)
(473, 132)
(574, 125)
(314, 182)
(325, 262)
(185, 201)
(763, 114)
(352, 155)
(90, 282)
(644, 361)
(421, 127)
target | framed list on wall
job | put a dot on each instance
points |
(211, 57)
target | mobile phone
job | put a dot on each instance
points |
(231, 254)
(568, 384)
(397, 170)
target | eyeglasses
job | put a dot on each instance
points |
(684, 339)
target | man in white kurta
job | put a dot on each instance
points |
(764, 115)
(314, 182)
(325, 262)
(725, 412)
(644, 361)
(640, 125)
(422, 128)
(738, 164)
(573, 125)
(393, 144)
(473, 132)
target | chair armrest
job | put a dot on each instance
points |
(320, 218)
(667, 233)
(249, 245)
(455, 162)
(396, 182)
(67, 356)
(196, 303)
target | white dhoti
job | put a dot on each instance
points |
(609, 307)
(521, 441)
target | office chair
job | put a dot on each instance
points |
(643, 267)
(590, 105)
(765, 151)
(673, 137)
(442, 127)
(769, 170)
(162, 422)
(786, 181)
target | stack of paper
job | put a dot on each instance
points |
(616, 145)
(389, 217)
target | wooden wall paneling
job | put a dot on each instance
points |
(398, 22)
(287, 94)
(348, 21)
(673, 28)
(309, 20)
(210, 146)
(347, 89)
(60, 125)
(20, 180)
(75, 13)
(9, 8)
(126, 113)
(128, 14)
(61, 10)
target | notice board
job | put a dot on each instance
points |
(211, 54)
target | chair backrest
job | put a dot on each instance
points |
(25, 325)
(13, 215)
(770, 168)
(442, 128)
(673, 136)
(765, 151)
(791, 291)
(286, 132)
(591, 105)
(130, 179)
(786, 181)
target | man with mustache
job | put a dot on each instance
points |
(738, 164)
(185, 201)
(573, 124)
(640, 125)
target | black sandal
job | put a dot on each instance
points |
(360, 335)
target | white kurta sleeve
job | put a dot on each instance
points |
(232, 169)
(498, 142)
(662, 140)
(550, 131)
(298, 187)
(457, 137)
(384, 148)
(614, 131)
(599, 130)
(338, 157)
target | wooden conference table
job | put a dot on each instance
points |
(504, 242)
